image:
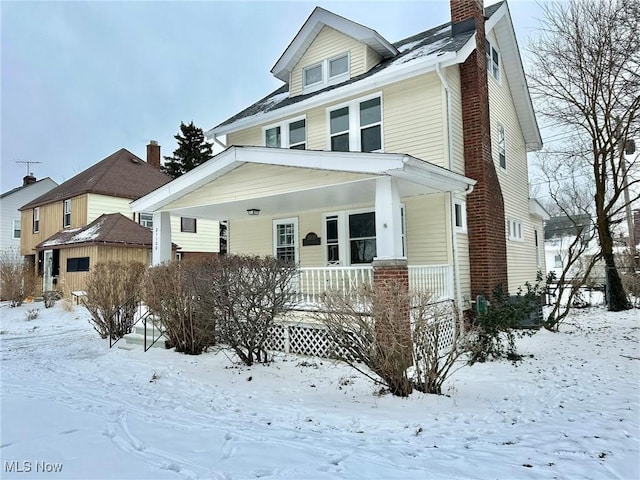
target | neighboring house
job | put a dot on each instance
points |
(378, 159)
(53, 222)
(560, 233)
(10, 203)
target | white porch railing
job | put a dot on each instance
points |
(313, 281)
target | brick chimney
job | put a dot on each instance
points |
(485, 205)
(153, 154)
(28, 180)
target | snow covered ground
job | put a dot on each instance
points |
(570, 410)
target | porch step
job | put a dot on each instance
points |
(136, 338)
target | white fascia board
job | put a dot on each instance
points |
(201, 175)
(433, 176)
(383, 78)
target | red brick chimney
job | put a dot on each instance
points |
(485, 206)
(153, 154)
(28, 180)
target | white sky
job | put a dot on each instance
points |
(81, 80)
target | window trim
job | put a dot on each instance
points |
(502, 146)
(195, 225)
(66, 213)
(517, 233)
(493, 68)
(16, 221)
(36, 220)
(284, 132)
(354, 122)
(296, 243)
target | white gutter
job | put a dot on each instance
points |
(215, 139)
(454, 233)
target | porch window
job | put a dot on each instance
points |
(493, 61)
(188, 225)
(285, 239)
(17, 229)
(502, 147)
(66, 217)
(333, 242)
(36, 220)
(357, 126)
(291, 134)
(362, 237)
(146, 220)
(78, 264)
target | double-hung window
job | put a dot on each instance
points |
(285, 239)
(357, 126)
(66, 217)
(502, 147)
(17, 229)
(292, 134)
(36, 220)
(146, 220)
(493, 61)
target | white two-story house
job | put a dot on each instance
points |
(406, 158)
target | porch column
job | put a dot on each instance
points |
(161, 238)
(391, 277)
(388, 220)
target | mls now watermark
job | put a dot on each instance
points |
(29, 467)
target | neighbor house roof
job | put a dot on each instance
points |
(109, 229)
(122, 174)
(416, 54)
(21, 187)
(564, 226)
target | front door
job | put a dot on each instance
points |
(47, 276)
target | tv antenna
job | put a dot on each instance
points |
(28, 164)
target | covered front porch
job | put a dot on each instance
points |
(338, 215)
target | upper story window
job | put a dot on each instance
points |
(292, 134)
(36, 220)
(17, 229)
(502, 147)
(327, 72)
(493, 61)
(146, 220)
(357, 126)
(66, 217)
(187, 225)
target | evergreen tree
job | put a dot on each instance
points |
(192, 151)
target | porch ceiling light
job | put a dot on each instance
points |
(253, 211)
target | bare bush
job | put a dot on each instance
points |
(246, 294)
(16, 282)
(113, 292)
(32, 314)
(173, 293)
(388, 333)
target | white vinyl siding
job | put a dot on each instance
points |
(206, 238)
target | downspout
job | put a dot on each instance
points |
(215, 139)
(454, 234)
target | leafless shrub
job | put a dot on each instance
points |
(50, 297)
(113, 292)
(630, 267)
(172, 292)
(390, 333)
(16, 281)
(246, 294)
(32, 314)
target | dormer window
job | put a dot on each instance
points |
(328, 72)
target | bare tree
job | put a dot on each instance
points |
(586, 79)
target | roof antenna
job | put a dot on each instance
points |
(28, 164)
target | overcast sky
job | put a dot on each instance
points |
(80, 80)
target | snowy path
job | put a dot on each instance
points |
(570, 411)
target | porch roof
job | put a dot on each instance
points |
(356, 185)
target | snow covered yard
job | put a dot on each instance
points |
(569, 410)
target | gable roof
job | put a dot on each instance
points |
(420, 53)
(112, 229)
(567, 226)
(318, 19)
(122, 174)
(22, 187)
